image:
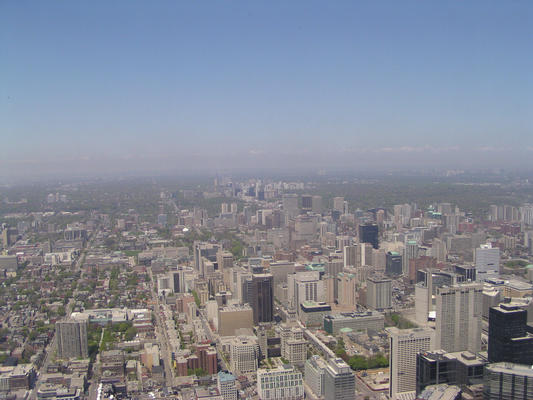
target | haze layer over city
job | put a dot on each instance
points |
(266, 200)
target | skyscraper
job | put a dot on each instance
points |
(487, 260)
(258, 291)
(204, 250)
(434, 368)
(458, 320)
(293, 344)
(244, 354)
(508, 338)
(290, 205)
(393, 263)
(410, 252)
(315, 371)
(317, 204)
(507, 381)
(339, 381)
(338, 204)
(367, 253)
(346, 289)
(304, 286)
(72, 339)
(405, 344)
(178, 280)
(379, 293)
(350, 256)
(437, 367)
(368, 233)
(307, 202)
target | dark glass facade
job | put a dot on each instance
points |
(508, 338)
(369, 233)
(259, 293)
(434, 370)
(461, 369)
(393, 264)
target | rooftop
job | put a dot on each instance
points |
(354, 315)
(518, 285)
(225, 376)
(510, 368)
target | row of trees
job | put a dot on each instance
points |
(358, 362)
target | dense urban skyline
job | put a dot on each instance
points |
(265, 288)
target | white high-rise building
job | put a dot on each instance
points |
(404, 346)
(350, 256)
(423, 303)
(528, 241)
(244, 354)
(304, 286)
(293, 344)
(338, 204)
(317, 204)
(282, 383)
(458, 319)
(438, 249)
(526, 214)
(410, 252)
(367, 251)
(402, 215)
(315, 370)
(379, 293)
(339, 380)
(487, 260)
(224, 208)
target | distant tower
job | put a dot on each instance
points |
(410, 253)
(379, 293)
(393, 263)
(258, 291)
(350, 256)
(368, 233)
(307, 203)
(487, 260)
(317, 204)
(290, 205)
(338, 204)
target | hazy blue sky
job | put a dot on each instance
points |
(133, 84)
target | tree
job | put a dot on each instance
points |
(197, 372)
(339, 348)
(61, 311)
(196, 298)
(357, 363)
(130, 333)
